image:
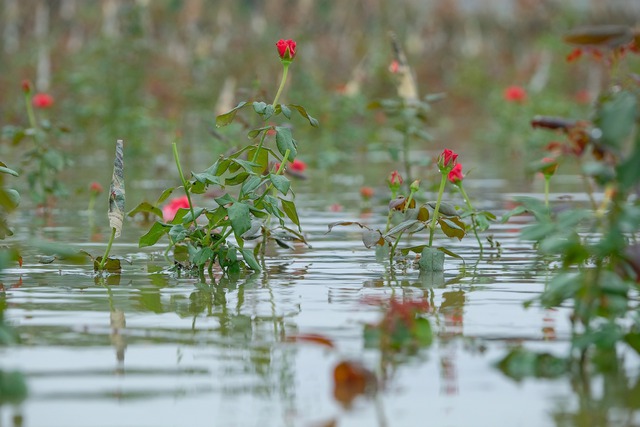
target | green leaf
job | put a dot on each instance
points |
(4, 169)
(240, 219)
(202, 255)
(452, 227)
(304, 114)
(255, 132)
(344, 223)
(165, 195)
(157, 230)
(251, 184)
(206, 178)
(285, 110)
(402, 227)
(116, 192)
(371, 238)
(226, 118)
(289, 209)
(237, 179)
(281, 183)
(178, 233)
(188, 218)
(616, 118)
(224, 199)
(431, 260)
(259, 107)
(145, 207)
(285, 141)
(250, 259)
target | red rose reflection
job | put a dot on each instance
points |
(170, 209)
(42, 100)
(515, 94)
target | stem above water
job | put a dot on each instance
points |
(436, 211)
(103, 261)
(184, 181)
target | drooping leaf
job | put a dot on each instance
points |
(304, 114)
(285, 141)
(153, 235)
(371, 238)
(240, 219)
(289, 209)
(116, 191)
(237, 179)
(145, 207)
(280, 182)
(5, 169)
(452, 227)
(445, 208)
(226, 118)
(402, 227)
(255, 132)
(423, 214)
(250, 259)
(285, 110)
(165, 195)
(344, 223)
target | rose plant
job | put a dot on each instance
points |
(250, 191)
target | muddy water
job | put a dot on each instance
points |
(152, 349)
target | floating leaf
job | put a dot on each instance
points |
(226, 118)
(312, 338)
(116, 192)
(112, 265)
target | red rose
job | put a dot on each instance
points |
(366, 192)
(298, 166)
(26, 86)
(286, 49)
(395, 178)
(447, 159)
(456, 176)
(170, 209)
(515, 94)
(95, 188)
(42, 100)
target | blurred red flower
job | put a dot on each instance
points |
(96, 188)
(26, 86)
(515, 94)
(298, 166)
(395, 178)
(42, 100)
(285, 46)
(170, 209)
(366, 192)
(456, 175)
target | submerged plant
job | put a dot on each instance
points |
(249, 190)
(426, 217)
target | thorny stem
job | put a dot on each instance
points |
(434, 220)
(473, 216)
(184, 181)
(106, 252)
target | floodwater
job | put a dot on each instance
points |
(152, 349)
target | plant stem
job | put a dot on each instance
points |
(405, 158)
(30, 114)
(285, 71)
(473, 216)
(259, 147)
(436, 211)
(547, 180)
(184, 181)
(106, 252)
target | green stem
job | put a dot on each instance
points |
(255, 155)
(473, 216)
(547, 180)
(436, 211)
(280, 171)
(30, 113)
(395, 244)
(106, 252)
(405, 158)
(184, 181)
(285, 71)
